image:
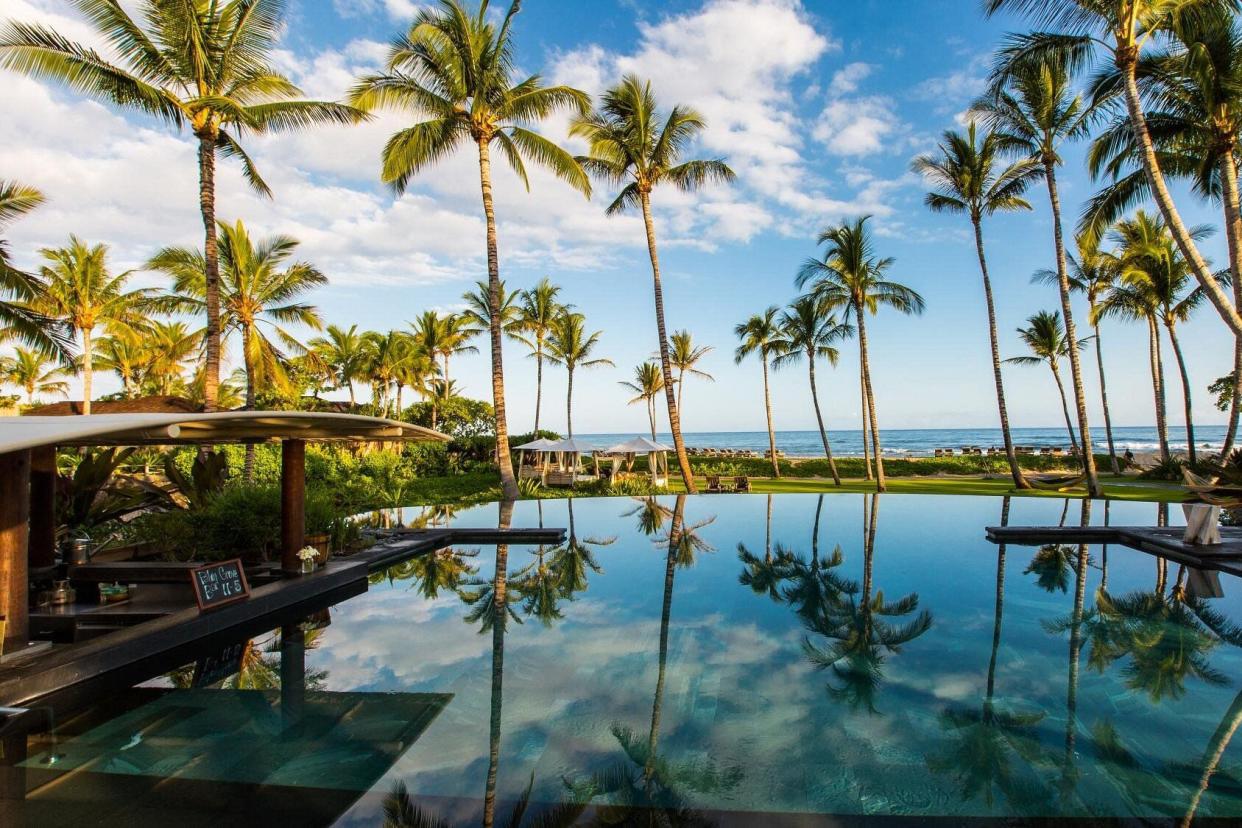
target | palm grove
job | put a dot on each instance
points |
(1155, 85)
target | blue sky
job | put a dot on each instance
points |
(819, 106)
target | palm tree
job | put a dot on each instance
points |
(852, 279)
(384, 353)
(1153, 269)
(1092, 273)
(203, 65)
(455, 69)
(477, 317)
(571, 346)
(632, 144)
(1122, 28)
(684, 355)
(1033, 103)
(345, 353)
(538, 310)
(17, 320)
(1045, 337)
(968, 180)
(648, 383)
(443, 336)
(413, 369)
(169, 346)
(808, 329)
(1194, 87)
(259, 287)
(761, 334)
(126, 355)
(34, 373)
(78, 289)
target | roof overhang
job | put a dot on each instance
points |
(18, 433)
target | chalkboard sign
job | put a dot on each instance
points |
(218, 584)
(216, 667)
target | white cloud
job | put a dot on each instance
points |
(858, 126)
(846, 79)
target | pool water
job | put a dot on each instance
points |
(743, 657)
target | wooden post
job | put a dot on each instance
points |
(292, 504)
(43, 506)
(292, 673)
(14, 535)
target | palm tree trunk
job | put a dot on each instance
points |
(500, 599)
(88, 370)
(569, 404)
(1215, 752)
(1157, 383)
(1233, 235)
(211, 269)
(538, 385)
(1186, 393)
(1126, 61)
(866, 433)
(651, 416)
(1015, 470)
(1075, 648)
(1071, 333)
(875, 423)
(248, 364)
(767, 405)
(674, 418)
(508, 483)
(819, 417)
(400, 388)
(352, 401)
(681, 385)
(1000, 604)
(670, 570)
(1108, 417)
(1069, 422)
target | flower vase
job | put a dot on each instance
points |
(308, 566)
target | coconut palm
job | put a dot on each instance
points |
(1121, 28)
(1092, 273)
(1045, 336)
(476, 318)
(968, 179)
(571, 346)
(1153, 269)
(852, 279)
(455, 70)
(126, 355)
(384, 353)
(1194, 90)
(169, 346)
(761, 334)
(34, 373)
(443, 336)
(648, 383)
(343, 349)
(413, 369)
(538, 309)
(808, 329)
(17, 320)
(631, 143)
(684, 355)
(1033, 103)
(202, 65)
(79, 290)
(259, 286)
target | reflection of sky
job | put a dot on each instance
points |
(739, 690)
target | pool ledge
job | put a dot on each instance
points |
(118, 660)
(1165, 542)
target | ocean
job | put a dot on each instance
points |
(922, 442)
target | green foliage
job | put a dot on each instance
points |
(456, 416)
(1222, 388)
(208, 473)
(1170, 469)
(894, 466)
(93, 494)
(240, 521)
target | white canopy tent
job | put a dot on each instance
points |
(657, 457)
(537, 469)
(559, 461)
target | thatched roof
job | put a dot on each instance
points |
(140, 405)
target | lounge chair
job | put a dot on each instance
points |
(1055, 482)
(741, 484)
(713, 484)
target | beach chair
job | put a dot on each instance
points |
(741, 484)
(713, 484)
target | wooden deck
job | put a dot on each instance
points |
(1161, 541)
(76, 673)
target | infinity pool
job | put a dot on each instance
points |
(727, 659)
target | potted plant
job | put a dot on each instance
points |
(309, 557)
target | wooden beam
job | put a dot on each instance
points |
(14, 536)
(43, 506)
(292, 504)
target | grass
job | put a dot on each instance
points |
(484, 487)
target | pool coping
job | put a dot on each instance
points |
(1162, 541)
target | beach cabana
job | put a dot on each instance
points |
(657, 457)
(542, 458)
(568, 468)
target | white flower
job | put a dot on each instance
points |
(308, 553)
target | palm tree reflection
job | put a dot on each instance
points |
(645, 781)
(984, 741)
(860, 633)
